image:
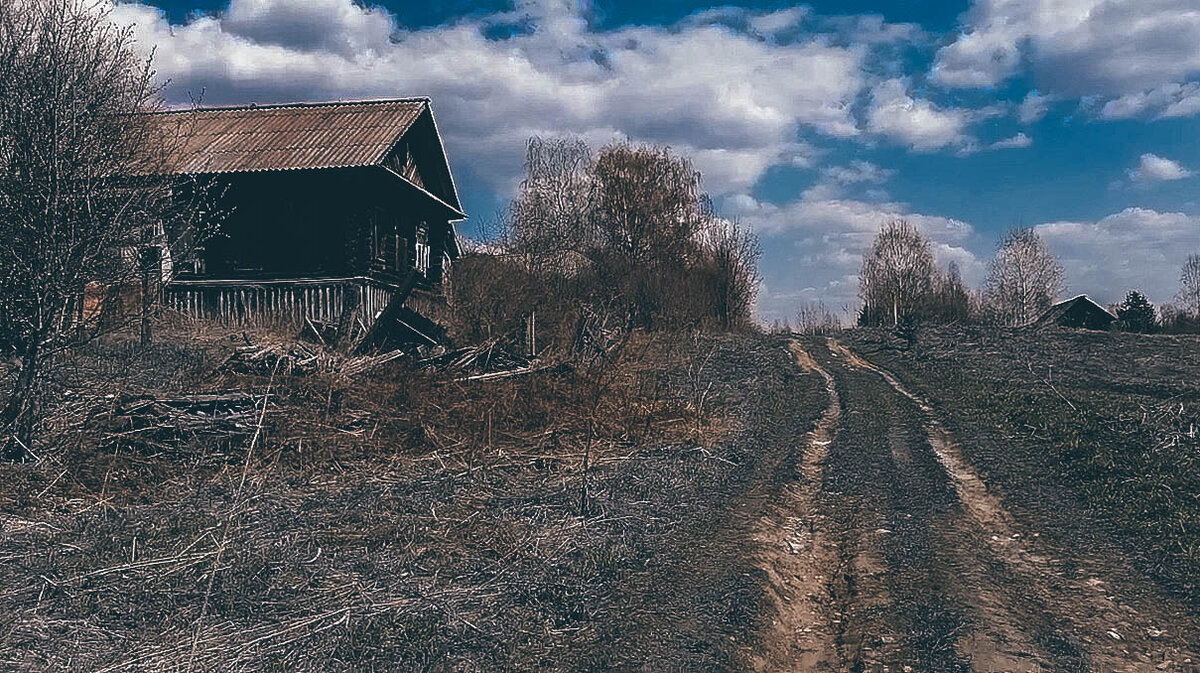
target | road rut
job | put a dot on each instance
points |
(892, 553)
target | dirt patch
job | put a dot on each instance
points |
(795, 553)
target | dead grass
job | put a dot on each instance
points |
(393, 521)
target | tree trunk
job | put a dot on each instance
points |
(149, 260)
(18, 416)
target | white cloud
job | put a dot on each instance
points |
(1016, 142)
(1111, 49)
(1033, 108)
(1153, 168)
(1168, 100)
(919, 124)
(817, 242)
(331, 25)
(736, 102)
(775, 22)
(1135, 249)
(858, 171)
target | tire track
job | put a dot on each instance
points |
(796, 554)
(1020, 589)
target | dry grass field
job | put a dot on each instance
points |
(396, 519)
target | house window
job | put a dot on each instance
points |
(422, 257)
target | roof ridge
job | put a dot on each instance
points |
(298, 104)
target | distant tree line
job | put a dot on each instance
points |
(626, 235)
(901, 285)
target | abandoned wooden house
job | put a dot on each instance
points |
(1078, 312)
(335, 213)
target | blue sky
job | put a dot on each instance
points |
(813, 123)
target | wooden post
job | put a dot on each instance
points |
(149, 263)
(531, 337)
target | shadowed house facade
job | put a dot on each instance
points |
(337, 213)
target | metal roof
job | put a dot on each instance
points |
(287, 137)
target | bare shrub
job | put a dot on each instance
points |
(78, 205)
(815, 318)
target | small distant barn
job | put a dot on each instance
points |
(1078, 312)
(337, 212)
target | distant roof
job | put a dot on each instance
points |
(1056, 312)
(288, 137)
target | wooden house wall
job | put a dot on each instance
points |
(298, 224)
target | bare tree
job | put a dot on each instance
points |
(816, 318)
(628, 232)
(731, 253)
(549, 222)
(897, 275)
(650, 203)
(951, 301)
(1023, 279)
(79, 200)
(1189, 285)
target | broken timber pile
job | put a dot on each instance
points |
(263, 360)
(300, 359)
(159, 422)
(490, 360)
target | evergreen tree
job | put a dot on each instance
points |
(1137, 314)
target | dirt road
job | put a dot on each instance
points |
(890, 553)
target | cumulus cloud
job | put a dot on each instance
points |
(1033, 108)
(1153, 168)
(1135, 249)
(331, 25)
(776, 22)
(857, 171)
(1131, 51)
(919, 124)
(736, 102)
(1166, 101)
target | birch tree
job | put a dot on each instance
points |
(550, 220)
(898, 274)
(1189, 285)
(1023, 279)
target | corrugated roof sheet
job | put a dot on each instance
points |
(287, 137)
